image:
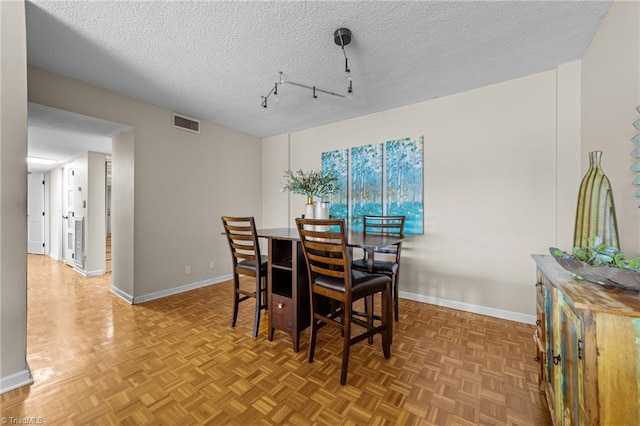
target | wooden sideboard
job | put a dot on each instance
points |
(588, 348)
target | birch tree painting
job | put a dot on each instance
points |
(404, 162)
(337, 162)
(366, 183)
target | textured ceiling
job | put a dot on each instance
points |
(214, 60)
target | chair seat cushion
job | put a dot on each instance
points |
(250, 265)
(379, 266)
(362, 283)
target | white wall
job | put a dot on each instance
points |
(95, 223)
(183, 183)
(610, 94)
(567, 165)
(54, 180)
(14, 371)
(122, 212)
(275, 160)
(491, 188)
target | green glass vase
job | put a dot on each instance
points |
(596, 213)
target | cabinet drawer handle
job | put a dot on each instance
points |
(580, 349)
(538, 322)
(538, 284)
(537, 359)
(557, 359)
(279, 305)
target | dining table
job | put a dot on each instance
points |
(287, 279)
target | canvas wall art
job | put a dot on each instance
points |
(379, 179)
(404, 165)
(337, 162)
(366, 183)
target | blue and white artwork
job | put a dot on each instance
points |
(404, 163)
(366, 183)
(337, 162)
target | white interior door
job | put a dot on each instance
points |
(35, 213)
(68, 215)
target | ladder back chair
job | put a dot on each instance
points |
(247, 260)
(330, 277)
(390, 265)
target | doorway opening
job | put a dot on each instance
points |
(76, 228)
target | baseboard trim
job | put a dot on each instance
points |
(16, 380)
(95, 273)
(447, 303)
(121, 294)
(54, 257)
(86, 273)
(80, 271)
(181, 289)
(468, 307)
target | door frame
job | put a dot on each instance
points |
(68, 213)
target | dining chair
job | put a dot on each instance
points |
(245, 255)
(388, 261)
(328, 259)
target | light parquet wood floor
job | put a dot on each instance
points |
(98, 360)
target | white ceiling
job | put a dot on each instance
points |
(214, 60)
(54, 134)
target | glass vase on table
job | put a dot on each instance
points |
(321, 212)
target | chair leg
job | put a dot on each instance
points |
(387, 333)
(346, 344)
(314, 329)
(236, 299)
(396, 313)
(368, 309)
(265, 302)
(256, 321)
(341, 317)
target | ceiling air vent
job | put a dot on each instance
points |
(185, 123)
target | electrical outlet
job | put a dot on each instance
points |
(211, 264)
(187, 269)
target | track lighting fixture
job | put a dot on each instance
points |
(342, 37)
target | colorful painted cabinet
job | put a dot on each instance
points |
(588, 348)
